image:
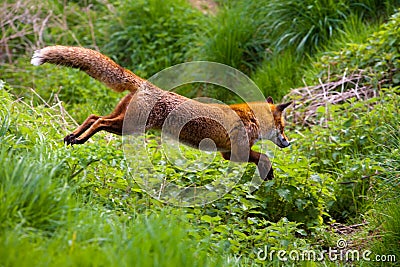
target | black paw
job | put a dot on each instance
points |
(70, 139)
(270, 175)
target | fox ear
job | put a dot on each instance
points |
(281, 107)
(270, 100)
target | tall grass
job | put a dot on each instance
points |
(94, 237)
(47, 218)
(389, 156)
(280, 73)
(308, 25)
(385, 218)
(235, 36)
(33, 191)
(304, 25)
(374, 10)
(354, 31)
(29, 198)
(150, 35)
(286, 69)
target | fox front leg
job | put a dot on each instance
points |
(263, 163)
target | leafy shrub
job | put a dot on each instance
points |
(377, 58)
(346, 148)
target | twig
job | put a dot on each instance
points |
(310, 98)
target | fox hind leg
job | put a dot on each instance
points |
(112, 123)
(71, 138)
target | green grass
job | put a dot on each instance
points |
(286, 68)
(354, 31)
(282, 72)
(385, 220)
(235, 37)
(47, 213)
(150, 35)
(31, 199)
(300, 33)
(95, 238)
(305, 25)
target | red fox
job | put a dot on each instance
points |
(233, 129)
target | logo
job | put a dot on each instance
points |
(341, 253)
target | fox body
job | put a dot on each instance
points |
(233, 129)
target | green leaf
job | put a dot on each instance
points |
(284, 193)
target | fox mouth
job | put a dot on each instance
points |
(283, 142)
(284, 145)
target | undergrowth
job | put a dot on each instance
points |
(49, 192)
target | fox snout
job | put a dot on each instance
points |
(283, 141)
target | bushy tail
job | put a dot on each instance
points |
(92, 62)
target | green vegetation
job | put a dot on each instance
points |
(235, 37)
(63, 206)
(151, 35)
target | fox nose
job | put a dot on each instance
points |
(284, 141)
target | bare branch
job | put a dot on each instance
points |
(341, 89)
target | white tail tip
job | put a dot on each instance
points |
(37, 58)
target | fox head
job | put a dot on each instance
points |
(278, 136)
